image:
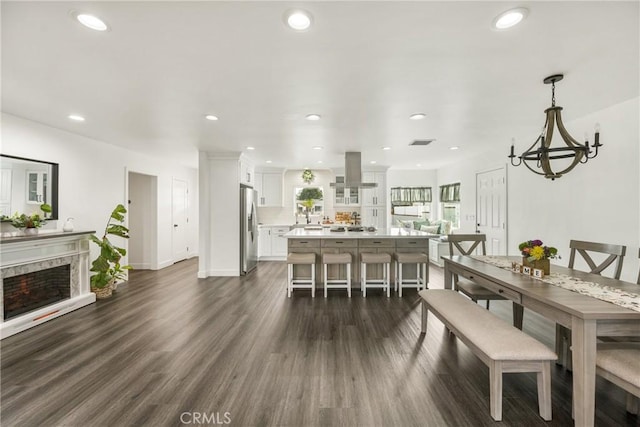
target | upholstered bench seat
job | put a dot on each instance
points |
(499, 345)
(411, 258)
(296, 258)
(620, 364)
(336, 258)
(373, 258)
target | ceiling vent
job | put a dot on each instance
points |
(422, 142)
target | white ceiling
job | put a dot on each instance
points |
(364, 66)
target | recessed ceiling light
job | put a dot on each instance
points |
(76, 118)
(454, 148)
(299, 20)
(313, 117)
(373, 162)
(251, 148)
(417, 116)
(319, 161)
(386, 148)
(418, 165)
(317, 147)
(305, 167)
(510, 18)
(91, 21)
(268, 161)
(211, 117)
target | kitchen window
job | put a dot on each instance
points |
(450, 204)
(308, 200)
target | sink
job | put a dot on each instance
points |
(313, 227)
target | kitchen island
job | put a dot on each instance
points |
(390, 240)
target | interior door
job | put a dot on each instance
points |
(491, 209)
(179, 200)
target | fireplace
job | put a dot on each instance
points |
(28, 292)
(43, 277)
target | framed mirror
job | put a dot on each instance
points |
(308, 200)
(25, 184)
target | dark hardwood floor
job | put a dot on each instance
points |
(169, 345)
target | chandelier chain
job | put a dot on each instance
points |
(553, 94)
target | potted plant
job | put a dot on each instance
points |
(30, 223)
(536, 255)
(106, 266)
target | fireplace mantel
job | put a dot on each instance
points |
(29, 253)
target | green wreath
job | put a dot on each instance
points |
(308, 176)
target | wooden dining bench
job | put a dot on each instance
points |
(502, 347)
(619, 363)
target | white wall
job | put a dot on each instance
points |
(597, 201)
(93, 178)
(219, 215)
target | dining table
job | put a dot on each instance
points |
(587, 316)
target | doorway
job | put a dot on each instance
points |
(491, 209)
(143, 224)
(180, 218)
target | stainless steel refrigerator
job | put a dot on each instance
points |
(248, 230)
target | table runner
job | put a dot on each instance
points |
(602, 292)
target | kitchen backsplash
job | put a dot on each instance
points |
(285, 216)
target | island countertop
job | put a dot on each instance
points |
(326, 233)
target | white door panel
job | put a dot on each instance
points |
(491, 208)
(179, 199)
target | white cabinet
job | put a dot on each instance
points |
(346, 196)
(272, 244)
(374, 200)
(373, 217)
(264, 241)
(374, 196)
(246, 172)
(437, 249)
(37, 185)
(279, 242)
(269, 187)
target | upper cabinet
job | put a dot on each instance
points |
(346, 196)
(374, 196)
(269, 187)
(246, 172)
(374, 200)
(37, 184)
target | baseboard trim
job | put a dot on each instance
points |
(141, 266)
(165, 264)
(219, 273)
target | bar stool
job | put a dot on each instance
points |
(422, 274)
(375, 258)
(344, 259)
(303, 282)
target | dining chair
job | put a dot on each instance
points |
(466, 244)
(585, 249)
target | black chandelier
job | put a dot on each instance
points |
(539, 156)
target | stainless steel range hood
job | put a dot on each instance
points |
(353, 172)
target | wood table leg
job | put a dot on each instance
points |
(518, 315)
(583, 337)
(447, 277)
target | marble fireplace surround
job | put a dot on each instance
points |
(26, 254)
